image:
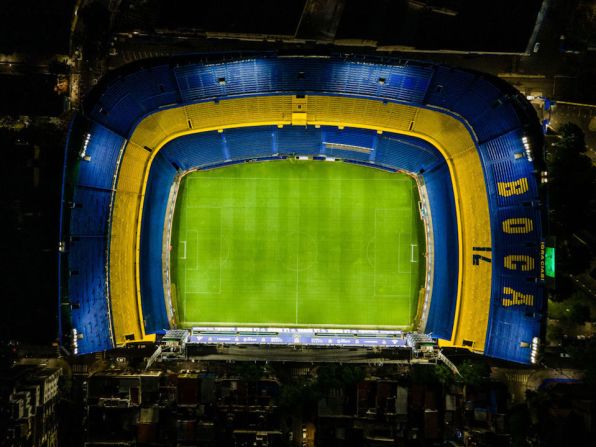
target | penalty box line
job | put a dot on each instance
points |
(413, 253)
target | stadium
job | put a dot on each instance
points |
(293, 200)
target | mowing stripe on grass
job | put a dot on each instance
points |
(296, 243)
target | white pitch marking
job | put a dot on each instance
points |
(412, 257)
(196, 247)
(184, 255)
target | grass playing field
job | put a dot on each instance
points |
(302, 243)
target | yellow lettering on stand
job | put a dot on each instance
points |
(514, 188)
(519, 262)
(516, 298)
(518, 225)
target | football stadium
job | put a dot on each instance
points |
(293, 200)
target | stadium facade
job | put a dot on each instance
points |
(470, 140)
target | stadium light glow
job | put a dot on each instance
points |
(535, 350)
(527, 148)
(75, 342)
(83, 153)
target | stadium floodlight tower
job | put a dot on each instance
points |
(291, 201)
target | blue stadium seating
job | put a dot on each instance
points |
(479, 92)
(505, 146)
(496, 117)
(103, 149)
(409, 154)
(87, 293)
(443, 300)
(296, 141)
(337, 143)
(86, 255)
(207, 149)
(155, 88)
(406, 83)
(91, 212)
(509, 326)
(131, 96)
(448, 86)
(154, 212)
(496, 121)
(249, 143)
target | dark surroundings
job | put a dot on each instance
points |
(32, 129)
(38, 54)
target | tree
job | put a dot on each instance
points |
(473, 373)
(519, 422)
(338, 376)
(424, 374)
(251, 372)
(95, 20)
(579, 313)
(575, 257)
(298, 395)
(572, 142)
(554, 333)
(564, 289)
(585, 355)
(444, 375)
(573, 181)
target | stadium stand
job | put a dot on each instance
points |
(270, 75)
(161, 179)
(296, 140)
(94, 150)
(242, 144)
(517, 312)
(482, 128)
(401, 151)
(124, 235)
(88, 294)
(346, 143)
(91, 211)
(442, 311)
(98, 169)
(207, 149)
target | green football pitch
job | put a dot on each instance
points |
(297, 243)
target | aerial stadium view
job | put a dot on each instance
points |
(306, 193)
(296, 224)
